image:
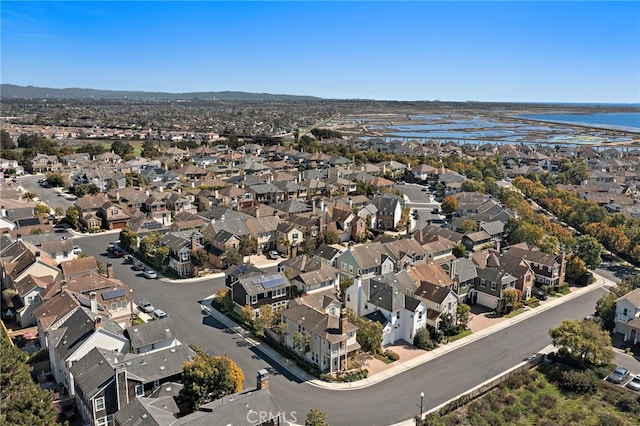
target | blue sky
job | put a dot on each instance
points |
(484, 51)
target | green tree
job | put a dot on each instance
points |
(208, 377)
(459, 250)
(510, 300)
(248, 246)
(309, 246)
(302, 341)
(469, 225)
(369, 335)
(59, 211)
(606, 310)
(265, 320)
(123, 149)
(584, 341)
(281, 330)
(199, 258)
(422, 340)
(149, 243)
(128, 239)
(463, 315)
(447, 325)
(42, 210)
(449, 205)
(101, 268)
(7, 141)
(55, 179)
(22, 402)
(331, 237)
(161, 255)
(575, 268)
(29, 195)
(232, 256)
(589, 250)
(315, 417)
(149, 150)
(72, 215)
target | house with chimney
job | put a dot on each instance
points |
(253, 289)
(81, 332)
(331, 339)
(548, 268)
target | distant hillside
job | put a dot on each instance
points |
(13, 91)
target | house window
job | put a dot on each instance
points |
(99, 403)
(294, 236)
(254, 299)
(105, 421)
(493, 286)
(398, 315)
(114, 306)
(350, 269)
(156, 383)
(123, 304)
(625, 311)
(139, 390)
(114, 212)
(482, 282)
(279, 292)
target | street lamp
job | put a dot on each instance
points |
(421, 404)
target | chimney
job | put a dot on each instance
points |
(19, 237)
(63, 285)
(350, 203)
(117, 195)
(121, 385)
(161, 188)
(37, 255)
(215, 194)
(97, 323)
(343, 322)
(110, 270)
(262, 381)
(3, 211)
(94, 302)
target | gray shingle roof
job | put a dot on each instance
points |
(150, 333)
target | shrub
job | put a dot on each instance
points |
(577, 381)
(393, 356)
(422, 340)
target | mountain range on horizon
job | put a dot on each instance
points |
(16, 91)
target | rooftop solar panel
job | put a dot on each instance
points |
(119, 292)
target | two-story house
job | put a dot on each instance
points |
(627, 319)
(365, 260)
(549, 269)
(255, 290)
(310, 275)
(181, 244)
(381, 299)
(330, 338)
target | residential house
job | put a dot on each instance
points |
(382, 299)
(152, 336)
(365, 261)
(288, 238)
(328, 253)
(389, 211)
(44, 163)
(331, 338)
(463, 274)
(549, 269)
(256, 290)
(405, 251)
(79, 267)
(490, 286)
(264, 231)
(79, 334)
(180, 245)
(310, 275)
(27, 299)
(221, 244)
(627, 319)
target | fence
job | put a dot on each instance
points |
(467, 397)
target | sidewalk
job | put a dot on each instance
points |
(399, 368)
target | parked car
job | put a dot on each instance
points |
(634, 384)
(128, 258)
(117, 253)
(159, 313)
(538, 293)
(274, 254)
(146, 306)
(113, 246)
(150, 273)
(138, 266)
(619, 375)
(77, 250)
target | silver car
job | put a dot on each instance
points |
(619, 375)
(146, 306)
(634, 384)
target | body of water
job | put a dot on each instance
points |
(629, 120)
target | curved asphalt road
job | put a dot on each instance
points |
(385, 403)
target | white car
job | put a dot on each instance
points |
(634, 384)
(159, 313)
(151, 274)
(77, 250)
